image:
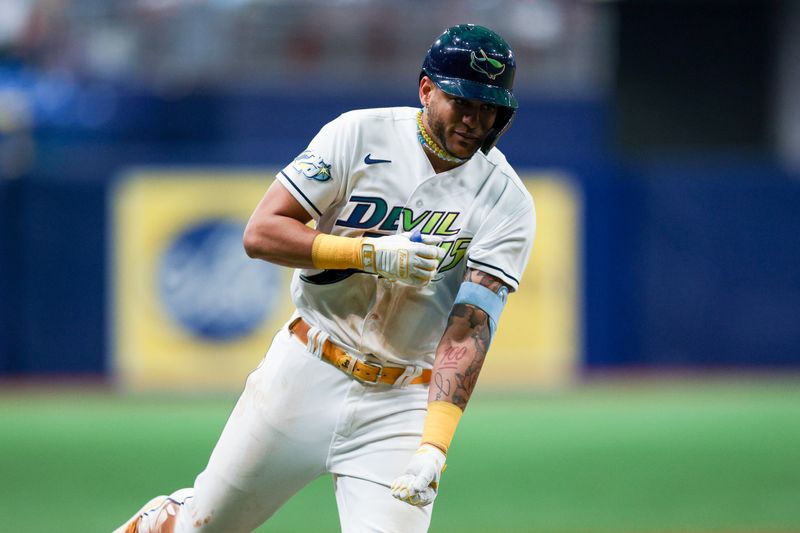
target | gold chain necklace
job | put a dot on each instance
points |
(431, 145)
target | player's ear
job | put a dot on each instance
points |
(426, 87)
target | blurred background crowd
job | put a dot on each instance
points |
(677, 123)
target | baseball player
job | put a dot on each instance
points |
(421, 229)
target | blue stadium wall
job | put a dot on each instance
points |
(686, 261)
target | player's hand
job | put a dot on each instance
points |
(420, 483)
(398, 258)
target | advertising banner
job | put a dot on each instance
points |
(192, 312)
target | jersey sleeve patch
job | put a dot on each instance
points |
(312, 166)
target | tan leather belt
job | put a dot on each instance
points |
(369, 373)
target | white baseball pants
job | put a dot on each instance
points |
(299, 418)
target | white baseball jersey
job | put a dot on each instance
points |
(366, 173)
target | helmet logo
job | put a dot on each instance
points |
(486, 65)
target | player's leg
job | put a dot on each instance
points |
(275, 442)
(383, 435)
(368, 507)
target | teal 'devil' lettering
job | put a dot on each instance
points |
(409, 222)
(390, 224)
(359, 217)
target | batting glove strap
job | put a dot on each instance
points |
(398, 258)
(419, 484)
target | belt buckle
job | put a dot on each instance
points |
(377, 375)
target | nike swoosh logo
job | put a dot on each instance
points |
(368, 160)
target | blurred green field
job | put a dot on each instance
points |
(639, 456)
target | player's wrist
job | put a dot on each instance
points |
(440, 425)
(423, 445)
(336, 253)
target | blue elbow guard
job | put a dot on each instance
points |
(487, 300)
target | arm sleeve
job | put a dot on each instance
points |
(317, 177)
(502, 249)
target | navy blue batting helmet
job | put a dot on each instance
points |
(474, 62)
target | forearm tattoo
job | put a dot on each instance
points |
(482, 278)
(463, 348)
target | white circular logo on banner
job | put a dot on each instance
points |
(209, 285)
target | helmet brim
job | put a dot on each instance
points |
(475, 91)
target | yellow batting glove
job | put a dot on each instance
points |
(420, 483)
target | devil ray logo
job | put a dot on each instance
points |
(486, 65)
(312, 166)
